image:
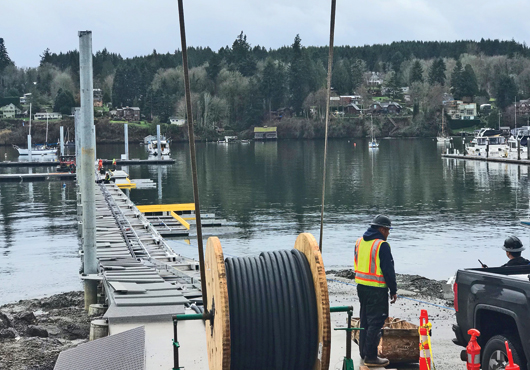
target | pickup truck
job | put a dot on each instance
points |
(496, 301)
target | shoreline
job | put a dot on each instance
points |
(34, 331)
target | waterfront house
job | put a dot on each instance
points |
(25, 99)
(352, 109)
(391, 108)
(458, 110)
(47, 115)
(128, 113)
(265, 133)
(177, 121)
(9, 111)
(98, 97)
(523, 107)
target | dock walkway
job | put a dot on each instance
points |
(487, 159)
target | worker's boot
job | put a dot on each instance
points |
(376, 361)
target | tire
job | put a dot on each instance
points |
(494, 356)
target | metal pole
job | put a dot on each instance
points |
(78, 165)
(191, 137)
(61, 139)
(46, 129)
(29, 147)
(30, 118)
(88, 157)
(158, 142)
(126, 135)
(330, 68)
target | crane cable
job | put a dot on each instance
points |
(330, 68)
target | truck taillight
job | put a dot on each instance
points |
(455, 290)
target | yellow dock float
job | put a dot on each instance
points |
(177, 207)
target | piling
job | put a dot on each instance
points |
(126, 137)
(87, 159)
(29, 147)
(98, 329)
(61, 139)
(518, 149)
(78, 165)
(158, 141)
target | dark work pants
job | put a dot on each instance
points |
(374, 311)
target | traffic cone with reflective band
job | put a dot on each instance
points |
(425, 354)
(473, 350)
(511, 365)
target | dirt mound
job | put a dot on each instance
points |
(35, 331)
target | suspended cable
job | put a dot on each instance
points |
(330, 68)
(191, 136)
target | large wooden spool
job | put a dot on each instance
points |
(218, 329)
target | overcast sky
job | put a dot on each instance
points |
(136, 27)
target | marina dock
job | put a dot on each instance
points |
(106, 162)
(143, 281)
(30, 177)
(487, 159)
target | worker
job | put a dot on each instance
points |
(375, 277)
(513, 248)
(100, 165)
(114, 164)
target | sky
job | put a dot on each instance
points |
(136, 27)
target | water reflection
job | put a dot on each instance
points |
(447, 213)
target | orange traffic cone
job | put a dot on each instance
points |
(511, 365)
(425, 353)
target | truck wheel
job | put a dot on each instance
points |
(494, 356)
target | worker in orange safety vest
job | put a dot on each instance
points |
(376, 282)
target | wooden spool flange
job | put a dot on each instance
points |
(307, 244)
(218, 329)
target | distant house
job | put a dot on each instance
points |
(349, 99)
(523, 107)
(25, 99)
(47, 115)
(177, 121)
(265, 133)
(352, 109)
(98, 97)
(459, 110)
(128, 113)
(9, 111)
(391, 108)
(375, 80)
(376, 108)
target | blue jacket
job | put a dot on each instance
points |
(385, 256)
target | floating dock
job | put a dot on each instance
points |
(31, 177)
(29, 164)
(487, 159)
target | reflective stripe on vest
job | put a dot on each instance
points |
(367, 263)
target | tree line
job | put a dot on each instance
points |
(242, 85)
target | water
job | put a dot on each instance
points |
(446, 213)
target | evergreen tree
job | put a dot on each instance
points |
(457, 80)
(240, 57)
(357, 70)
(505, 91)
(341, 77)
(127, 87)
(416, 73)
(4, 57)
(64, 102)
(298, 76)
(271, 85)
(469, 82)
(437, 72)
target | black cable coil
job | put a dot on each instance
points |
(273, 312)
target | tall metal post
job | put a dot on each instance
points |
(29, 147)
(158, 142)
(126, 137)
(61, 139)
(78, 165)
(87, 159)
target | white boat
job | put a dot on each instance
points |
(152, 147)
(36, 151)
(488, 139)
(373, 144)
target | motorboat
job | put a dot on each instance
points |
(36, 151)
(489, 143)
(152, 147)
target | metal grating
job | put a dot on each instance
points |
(123, 351)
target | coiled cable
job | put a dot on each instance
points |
(273, 312)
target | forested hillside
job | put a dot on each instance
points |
(241, 85)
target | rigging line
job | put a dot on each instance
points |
(400, 296)
(191, 136)
(330, 67)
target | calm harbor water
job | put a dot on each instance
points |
(446, 213)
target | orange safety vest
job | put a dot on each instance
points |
(367, 263)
